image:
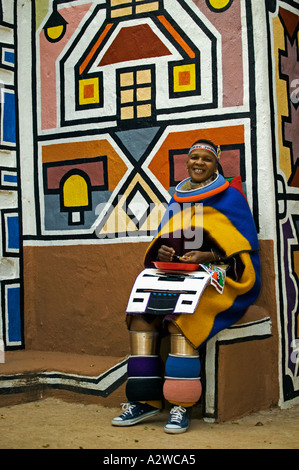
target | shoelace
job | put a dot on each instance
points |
(127, 408)
(177, 413)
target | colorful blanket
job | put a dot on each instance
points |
(219, 215)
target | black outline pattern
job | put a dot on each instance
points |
(282, 197)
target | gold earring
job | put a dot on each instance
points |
(219, 152)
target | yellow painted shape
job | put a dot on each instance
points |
(281, 97)
(87, 149)
(55, 31)
(219, 4)
(75, 192)
(147, 7)
(144, 110)
(127, 112)
(120, 222)
(126, 96)
(96, 94)
(121, 12)
(144, 94)
(190, 68)
(114, 3)
(144, 76)
(126, 79)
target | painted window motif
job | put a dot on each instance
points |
(129, 68)
(136, 94)
(8, 117)
(11, 241)
(7, 55)
(184, 79)
(95, 88)
(89, 92)
(120, 8)
(12, 313)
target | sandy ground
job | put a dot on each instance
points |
(56, 424)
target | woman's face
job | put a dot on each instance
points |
(201, 165)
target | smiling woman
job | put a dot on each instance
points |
(202, 162)
(224, 240)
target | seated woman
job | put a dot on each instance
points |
(224, 234)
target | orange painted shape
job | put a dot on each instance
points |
(184, 78)
(176, 36)
(87, 149)
(134, 43)
(88, 91)
(94, 49)
(159, 165)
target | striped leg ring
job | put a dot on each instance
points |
(182, 384)
(144, 368)
(144, 378)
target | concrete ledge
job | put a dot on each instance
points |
(33, 375)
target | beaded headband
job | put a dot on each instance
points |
(206, 147)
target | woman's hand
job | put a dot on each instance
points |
(197, 257)
(165, 253)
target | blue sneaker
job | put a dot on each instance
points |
(178, 421)
(134, 413)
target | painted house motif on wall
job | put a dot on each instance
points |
(97, 114)
(119, 81)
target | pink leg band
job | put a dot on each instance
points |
(182, 390)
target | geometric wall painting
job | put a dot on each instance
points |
(11, 314)
(8, 117)
(11, 301)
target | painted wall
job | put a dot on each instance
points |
(111, 94)
(284, 84)
(11, 330)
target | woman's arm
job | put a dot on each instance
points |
(200, 257)
(166, 253)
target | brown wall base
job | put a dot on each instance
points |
(75, 301)
(76, 296)
(246, 380)
(248, 371)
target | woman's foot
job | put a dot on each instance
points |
(178, 420)
(134, 413)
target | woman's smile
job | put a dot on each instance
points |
(201, 165)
